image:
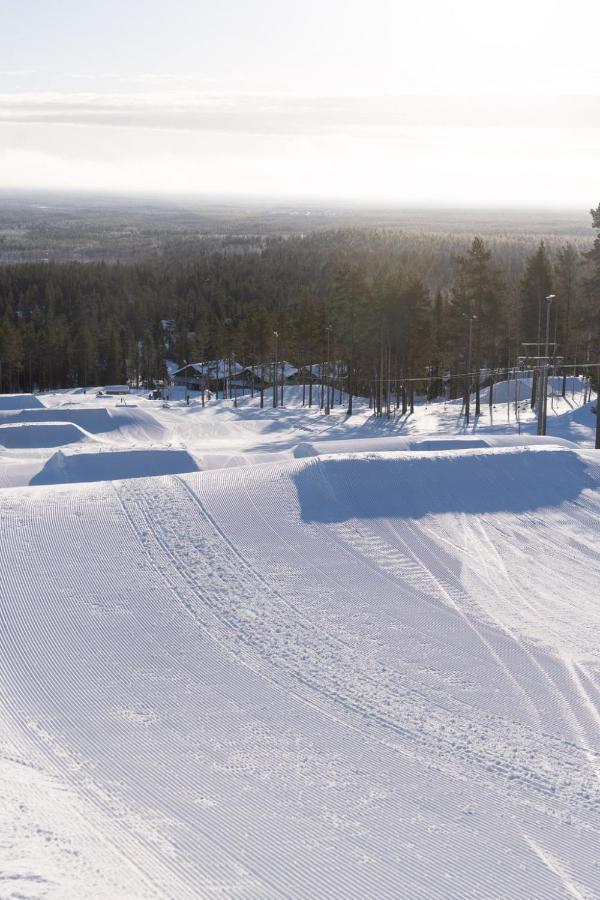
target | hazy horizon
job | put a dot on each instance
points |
(295, 202)
(50, 197)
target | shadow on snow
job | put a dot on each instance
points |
(412, 486)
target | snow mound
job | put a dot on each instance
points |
(410, 485)
(66, 468)
(29, 435)
(19, 401)
(126, 422)
(521, 388)
(368, 443)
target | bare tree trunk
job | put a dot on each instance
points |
(322, 384)
(381, 377)
(262, 387)
(304, 382)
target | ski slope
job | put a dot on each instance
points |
(339, 659)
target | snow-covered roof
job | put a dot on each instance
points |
(211, 368)
(289, 369)
(336, 368)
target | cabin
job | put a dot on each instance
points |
(254, 377)
(210, 375)
(226, 374)
(303, 375)
(263, 375)
(338, 370)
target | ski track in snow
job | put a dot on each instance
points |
(332, 676)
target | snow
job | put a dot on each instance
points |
(213, 368)
(66, 468)
(520, 388)
(18, 401)
(271, 653)
(23, 435)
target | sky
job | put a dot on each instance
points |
(430, 102)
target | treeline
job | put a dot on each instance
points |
(385, 304)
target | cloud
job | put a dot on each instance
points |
(295, 114)
(437, 149)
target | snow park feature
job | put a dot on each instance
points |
(269, 653)
(65, 468)
(40, 434)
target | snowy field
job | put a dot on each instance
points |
(270, 653)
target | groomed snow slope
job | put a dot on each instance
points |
(363, 675)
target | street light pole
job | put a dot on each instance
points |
(470, 320)
(327, 398)
(275, 336)
(542, 409)
(597, 445)
(234, 382)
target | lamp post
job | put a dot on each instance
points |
(275, 336)
(470, 320)
(544, 379)
(234, 381)
(187, 381)
(327, 399)
(597, 444)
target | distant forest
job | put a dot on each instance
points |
(386, 299)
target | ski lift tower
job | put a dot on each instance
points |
(538, 357)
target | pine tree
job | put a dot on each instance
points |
(11, 354)
(348, 310)
(592, 282)
(567, 272)
(535, 287)
(478, 291)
